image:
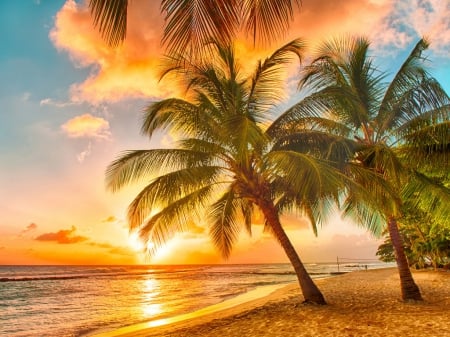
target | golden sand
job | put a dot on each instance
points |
(364, 303)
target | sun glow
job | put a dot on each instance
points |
(135, 242)
(156, 253)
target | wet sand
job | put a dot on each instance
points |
(363, 303)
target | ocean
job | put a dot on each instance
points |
(77, 301)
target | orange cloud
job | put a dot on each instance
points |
(126, 251)
(64, 236)
(322, 19)
(87, 126)
(111, 218)
(131, 70)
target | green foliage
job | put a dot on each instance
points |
(224, 166)
(393, 131)
(426, 241)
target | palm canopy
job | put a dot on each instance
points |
(399, 129)
(192, 23)
(223, 161)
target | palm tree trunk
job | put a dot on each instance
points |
(410, 290)
(310, 291)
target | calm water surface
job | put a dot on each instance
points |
(80, 300)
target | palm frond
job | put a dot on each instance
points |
(267, 82)
(134, 166)
(429, 195)
(363, 216)
(410, 73)
(111, 18)
(428, 148)
(190, 24)
(309, 176)
(424, 103)
(224, 229)
(167, 189)
(308, 113)
(384, 160)
(246, 136)
(268, 17)
(325, 145)
(175, 217)
(170, 114)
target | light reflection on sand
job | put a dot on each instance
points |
(248, 296)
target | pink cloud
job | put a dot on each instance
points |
(64, 236)
(432, 19)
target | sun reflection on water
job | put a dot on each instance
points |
(151, 289)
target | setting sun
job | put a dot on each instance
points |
(136, 243)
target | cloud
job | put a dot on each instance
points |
(118, 250)
(26, 97)
(110, 219)
(31, 227)
(51, 102)
(122, 251)
(130, 70)
(64, 236)
(87, 126)
(82, 155)
(431, 19)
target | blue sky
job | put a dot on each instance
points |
(69, 105)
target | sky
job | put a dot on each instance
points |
(69, 105)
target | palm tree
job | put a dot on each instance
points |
(192, 23)
(397, 128)
(224, 162)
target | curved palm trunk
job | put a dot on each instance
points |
(310, 291)
(410, 290)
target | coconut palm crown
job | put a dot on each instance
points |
(224, 164)
(399, 128)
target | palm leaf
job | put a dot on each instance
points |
(111, 18)
(267, 84)
(431, 196)
(167, 189)
(134, 166)
(190, 24)
(175, 217)
(269, 17)
(410, 73)
(224, 229)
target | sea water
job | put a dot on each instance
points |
(82, 300)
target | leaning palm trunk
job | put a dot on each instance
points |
(410, 290)
(310, 291)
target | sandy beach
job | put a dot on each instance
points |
(363, 303)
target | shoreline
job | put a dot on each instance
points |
(360, 303)
(246, 301)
